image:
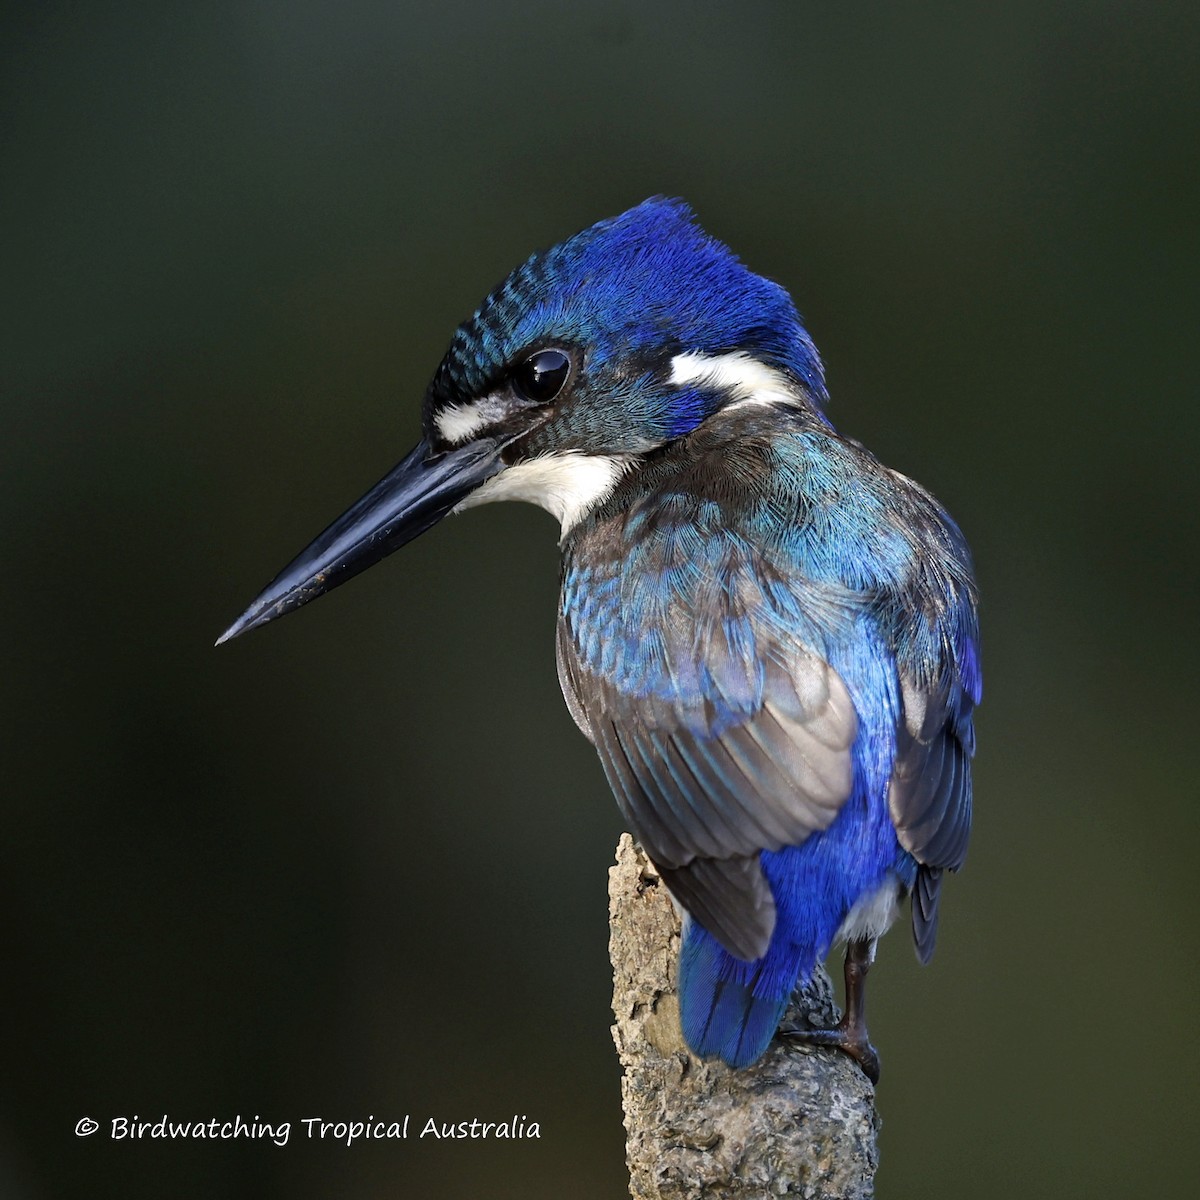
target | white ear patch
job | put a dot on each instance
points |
(747, 380)
(567, 485)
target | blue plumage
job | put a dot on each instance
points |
(634, 290)
(765, 538)
(769, 636)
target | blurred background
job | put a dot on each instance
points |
(355, 863)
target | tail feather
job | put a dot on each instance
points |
(722, 1018)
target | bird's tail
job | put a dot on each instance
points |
(720, 1014)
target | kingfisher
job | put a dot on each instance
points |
(769, 637)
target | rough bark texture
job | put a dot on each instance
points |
(800, 1122)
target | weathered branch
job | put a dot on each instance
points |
(800, 1122)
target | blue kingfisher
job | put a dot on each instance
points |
(769, 637)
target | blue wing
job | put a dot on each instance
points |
(929, 795)
(713, 761)
(691, 658)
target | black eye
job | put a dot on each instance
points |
(541, 376)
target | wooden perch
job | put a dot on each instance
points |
(800, 1122)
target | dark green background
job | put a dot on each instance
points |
(356, 862)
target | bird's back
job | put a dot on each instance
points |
(770, 638)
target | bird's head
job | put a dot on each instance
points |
(588, 357)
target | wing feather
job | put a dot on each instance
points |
(929, 796)
(720, 767)
(730, 898)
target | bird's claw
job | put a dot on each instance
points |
(850, 1041)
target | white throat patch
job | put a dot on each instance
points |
(567, 485)
(748, 381)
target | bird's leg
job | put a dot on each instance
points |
(850, 1033)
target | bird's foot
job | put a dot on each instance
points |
(850, 1039)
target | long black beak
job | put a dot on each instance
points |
(408, 500)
